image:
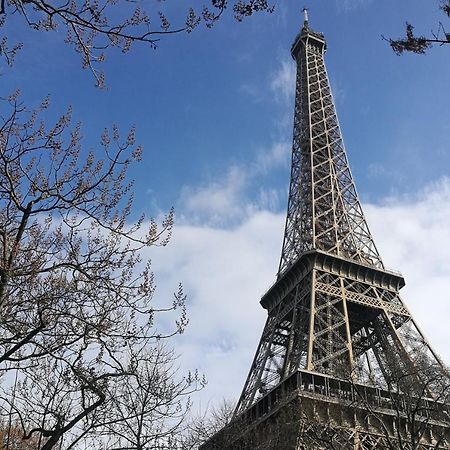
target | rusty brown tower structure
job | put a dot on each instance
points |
(338, 337)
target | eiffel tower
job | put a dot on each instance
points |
(338, 337)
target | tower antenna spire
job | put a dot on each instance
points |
(305, 13)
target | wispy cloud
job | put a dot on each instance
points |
(350, 5)
(225, 200)
(253, 91)
(282, 82)
(337, 91)
(226, 270)
(276, 156)
(385, 171)
(413, 235)
(216, 202)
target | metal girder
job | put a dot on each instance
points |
(324, 211)
(334, 311)
(372, 302)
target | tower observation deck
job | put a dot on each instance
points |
(341, 361)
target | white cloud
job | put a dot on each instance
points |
(377, 170)
(337, 91)
(350, 5)
(226, 270)
(276, 156)
(216, 202)
(413, 236)
(223, 201)
(252, 90)
(283, 81)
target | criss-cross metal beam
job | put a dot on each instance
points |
(342, 313)
(324, 211)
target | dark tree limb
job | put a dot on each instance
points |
(421, 44)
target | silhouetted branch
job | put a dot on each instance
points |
(420, 44)
(93, 28)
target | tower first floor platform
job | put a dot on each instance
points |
(311, 411)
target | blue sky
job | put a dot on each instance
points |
(202, 102)
(213, 111)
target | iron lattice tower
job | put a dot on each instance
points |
(336, 323)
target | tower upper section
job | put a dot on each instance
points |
(324, 212)
(307, 35)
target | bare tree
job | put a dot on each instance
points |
(11, 438)
(418, 43)
(149, 411)
(290, 427)
(418, 398)
(203, 427)
(93, 28)
(79, 337)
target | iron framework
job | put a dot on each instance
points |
(336, 324)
